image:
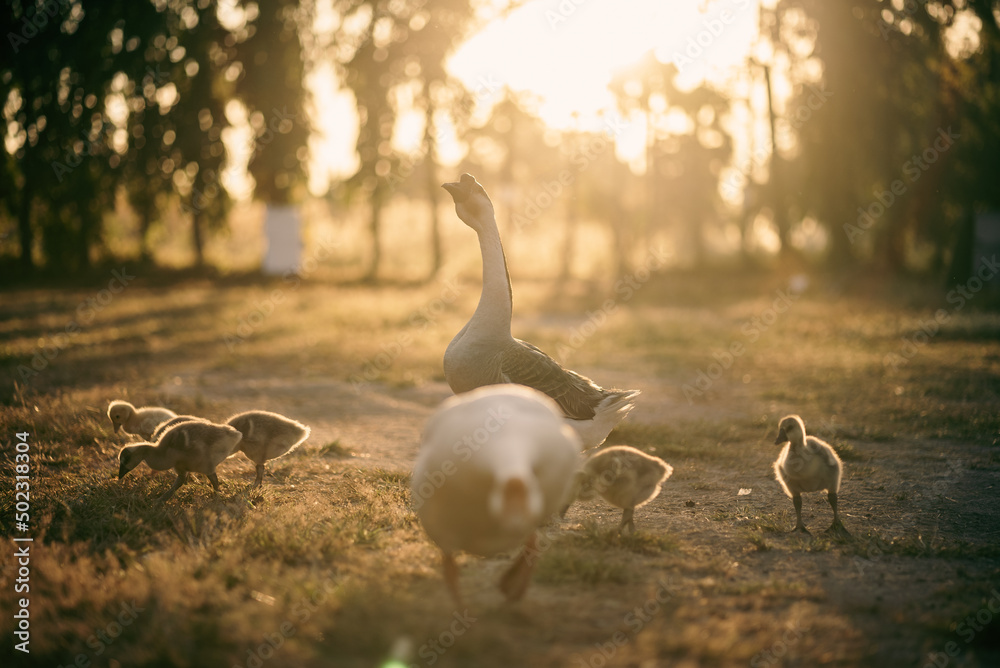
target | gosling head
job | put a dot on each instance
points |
(120, 412)
(472, 204)
(585, 486)
(233, 436)
(129, 457)
(791, 428)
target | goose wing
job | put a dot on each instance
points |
(829, 454)
(525, 364)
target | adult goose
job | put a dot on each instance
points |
(485, 353)
(494, 465)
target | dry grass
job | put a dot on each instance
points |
(327, 564)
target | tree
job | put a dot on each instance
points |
(64, 169)
(682, 166)
(74, 154)
(400, 46)
(877, 163)
(272, 87)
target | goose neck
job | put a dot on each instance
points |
(496, 302)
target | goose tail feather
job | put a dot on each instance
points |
(615, 406)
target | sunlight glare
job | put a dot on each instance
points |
(335, 122)
(567, 53)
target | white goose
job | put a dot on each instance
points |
(485, 353)
(807, 464)
(494, 465)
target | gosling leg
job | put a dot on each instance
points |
(214, 479)
(181, 479)
(515, 580)
(837, 526)
(451, 576)
(627, 521)
(797, 502)
(260, 476)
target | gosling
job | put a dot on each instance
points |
(624, 477)
(807, 464)
(189, 447)
(141, 422)
(267, 436)
(163, 426)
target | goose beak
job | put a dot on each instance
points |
(781, 438)
(461, 189)
(122, 471)
(457, 192)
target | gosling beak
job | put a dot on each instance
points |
(117, 427)
(781, 438)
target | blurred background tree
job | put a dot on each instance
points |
(130, 104)
(272, 66)
(398, 63)
(895, 76)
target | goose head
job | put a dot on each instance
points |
(120, 412)
(517, 503)
(472, 204)
(792, 429)
(129, 457)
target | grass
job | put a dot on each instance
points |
(639, 542)
(327, 562)
(334, 449)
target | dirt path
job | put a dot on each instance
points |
(867, 598)
(921, 489)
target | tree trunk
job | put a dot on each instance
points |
(840, 254)
(890, 250)
(87, 224)
(776, 187)
(145, 222)
(569, 243)
(25, 233)
(197, 237)
(960, 270)
(697, 242)
(621, 228)
(432, 186)
(376, 224)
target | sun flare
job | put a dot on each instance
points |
(566, 53)
(562, 56)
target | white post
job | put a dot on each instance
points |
(284, 240)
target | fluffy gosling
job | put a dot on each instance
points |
(189, 447)
(807, 464)
(163, 426)
(267, 436)
(624, 477)
(141, 422)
